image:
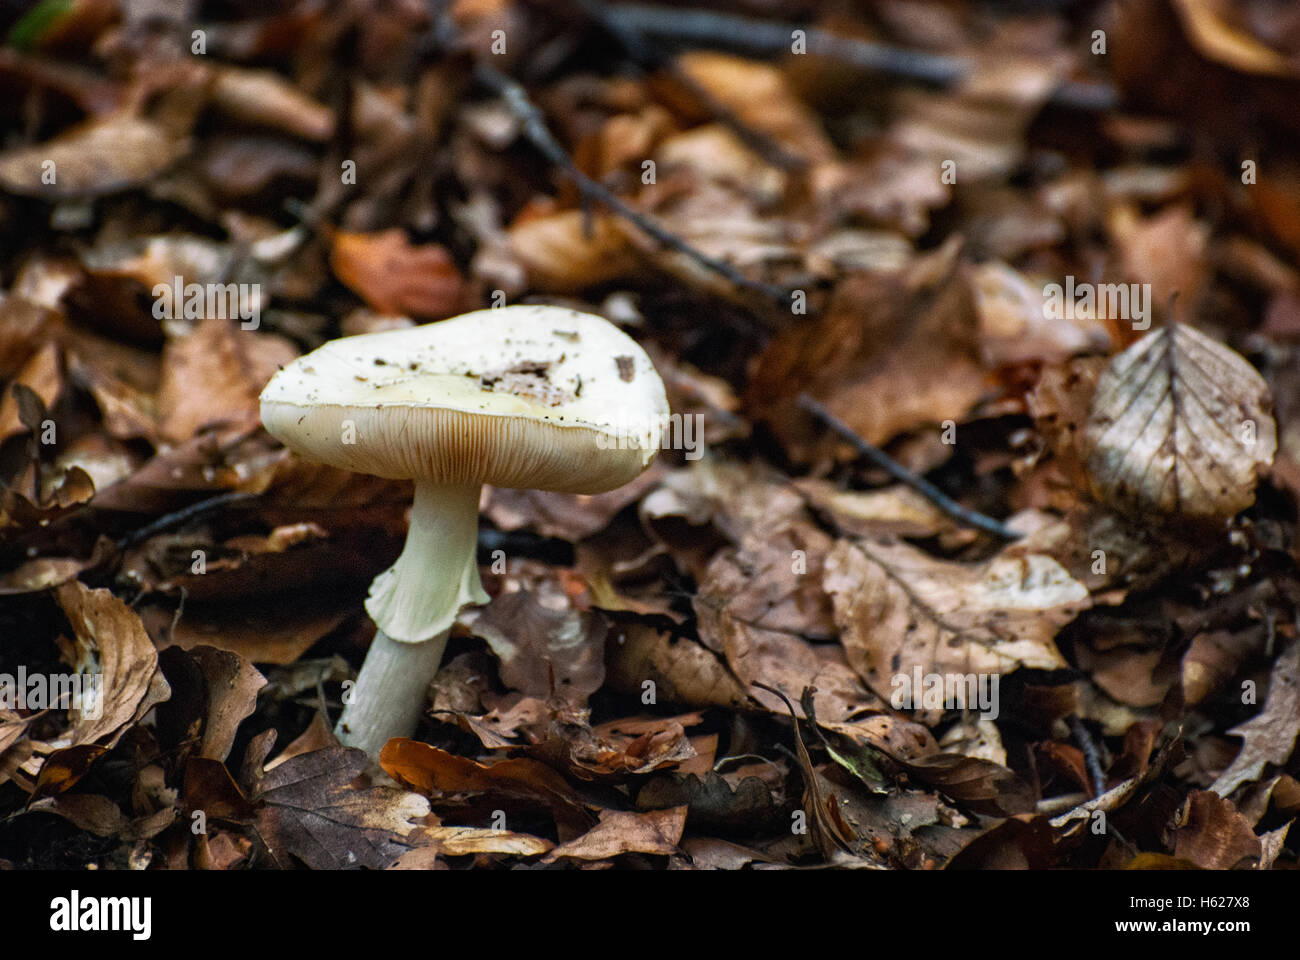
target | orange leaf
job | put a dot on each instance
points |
(393, 276)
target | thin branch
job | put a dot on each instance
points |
(650, 58)
(963, 515)
(181, 517)
(1090, 758)
(540, 136)
(707, 27)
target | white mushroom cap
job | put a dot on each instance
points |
(536, 397)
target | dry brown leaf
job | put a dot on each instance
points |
(214, 374)
(41, 375)
(619, 832)
(1211, 833)
(521, 781)
(1217, 38)
(102, 156)
(542, 650)
(893, 352)
(110, 639)
(312, 808)
(127, 408)
(101, 816)
(233, 684)
(1214, 658)
(394, 276)
(1166, 250)
(759, 95)
(1270, 736)
(265, 98)
(466, 841)
(897, 510)
(560, 255)
(260, 632)
(979, 127)
(1016, 327)
(1180, 424)
(682, 670)
(570, 516)
(899, 609)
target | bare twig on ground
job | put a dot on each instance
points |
(649, 57)
(1090, 758)
(708, 27)
(963, 515)
(182, 516)
(540, 136)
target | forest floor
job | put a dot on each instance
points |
(972, 542)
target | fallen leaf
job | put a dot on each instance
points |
(871, 358)
(1180, 424)
(1269, 736)
(110, 639)
(619, 832)
(432, 771)
(1212, 834)
(542, 650)
(312, 809)
(102, 156)
(233, 684)
(393, 276)
(900, 610)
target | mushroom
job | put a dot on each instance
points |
(534, 397)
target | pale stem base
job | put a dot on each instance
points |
(390, 692)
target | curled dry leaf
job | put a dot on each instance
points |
(1271, 735)
(520, 782)
(900, 609)
(658, 832)
(40, 374)
(1211, 833)
(682, 670)
(1180, 424)
(466, 841)
(232, 684)
(265, 98)
(111, 640)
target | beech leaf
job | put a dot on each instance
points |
(1179, 425)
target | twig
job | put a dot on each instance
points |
(182, 516)
(1090, 758)
(963, 515)
(540, 136)
(768, 36)
(649, 57)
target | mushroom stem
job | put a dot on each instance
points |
(414, 603)
(420, 595)
(390, 692)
